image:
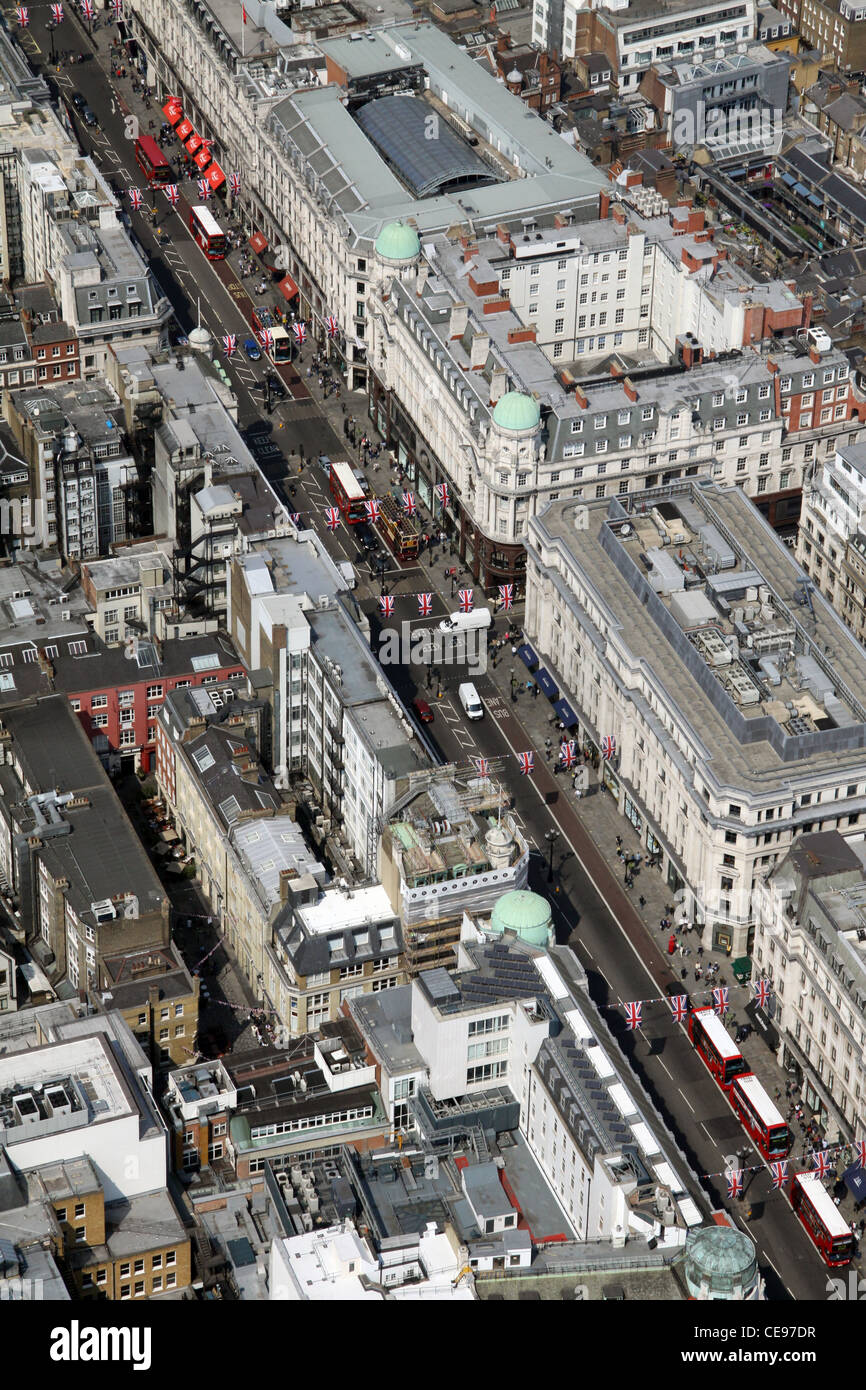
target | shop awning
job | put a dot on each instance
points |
(801, 189)
(763, 1024)
(215, 176)
(173, 110)
(287, 287)
(185, 129)
(854, 1179)
(203, 158)
(259, 242)
(544, 680)
(735, 173)
(789, 179)
(565, 713)
(194, 143)
(742, 968)
(816, 199)
(527, 656)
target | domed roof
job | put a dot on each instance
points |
(514, 411)
(397, 241)
(515, 75)
(199, 339)
(721, 1255)
(526, 914)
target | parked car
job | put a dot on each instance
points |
(423, 710)
(252, 349)
(78, 101)
(88, 116)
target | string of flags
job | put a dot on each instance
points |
(780, 1171)
(230, 343)
(409, 503)
(172, 193)
(135, 199)
(467, 600)
(679, 1003)
(88, 9)
(22, 14)
(300, 332)
(204, 190)
(266, 338)
(57, 14)
(117, 6)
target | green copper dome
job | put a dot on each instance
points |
(397, 241)
(526, 914)
(719, 1262)
(514, 411)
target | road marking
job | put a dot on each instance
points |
(684, 1096)
(661, 1064)
(707, 1132)
(604, 977)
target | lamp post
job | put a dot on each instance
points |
(551, 836)
(50, 28)
(511, 679)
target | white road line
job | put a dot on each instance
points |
(604, 977)
(707, 1132)
(683, 1094)
(661, 1064)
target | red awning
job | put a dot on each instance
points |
(259, 242)
(288, 287)
(215, 176)
(173, 110)
(185, 129)
(194, 142)
(202, 159)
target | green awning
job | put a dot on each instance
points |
(742, 968)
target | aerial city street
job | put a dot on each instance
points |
(432, 667)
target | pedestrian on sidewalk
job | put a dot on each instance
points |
(642, 900)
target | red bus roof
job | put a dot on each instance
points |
(342, 474)
(717, 1033)
(150, 148)
(823, 1205)
(763, 1106)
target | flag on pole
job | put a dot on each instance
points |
(230, 343)
(244, 12)
(763, 990)
(22, 14)
(443, 494)
(779, 1173)
(679, 1007)
(467, 602)
(135, 198)
(425, 605)
(204, 190)
(860, 1150)
(87, 9)
(608, 746)
(720, 1000)
(386, 606)
(57, 14)
(527, 762)
(821, 1163)
(735, 1182)
(409, 503)
(568, 753)
(332, 517)
(300, 331)
(633, 1015)
(266, 338)
(235, 184)
(482, 767)
(172, 193)
(332, 326)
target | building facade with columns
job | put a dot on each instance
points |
(669, 621)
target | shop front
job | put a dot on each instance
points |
(632, 814)
(609, 778)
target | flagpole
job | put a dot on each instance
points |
(243, 30)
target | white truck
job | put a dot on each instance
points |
(466, 622)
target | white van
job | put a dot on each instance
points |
(466, 622)
(470, 700)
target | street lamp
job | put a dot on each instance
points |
(50, 28)
(511, 679)
(551, 836)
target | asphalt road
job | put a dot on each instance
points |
(592, 913)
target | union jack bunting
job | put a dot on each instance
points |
(332, 516)
(372, 510)
(234, 184)
(117, 6)
(821, 1164)
(386, 606)
(266, 338)
(332, 326)
(763, 990)
(57, 14)
(172, 193)
(204, 190)
(779, 1173)
(22, 14)
(443, 494)
(230, 343)
(409, 503)
(527, 762)
(633, 1015)
(295, 518)
(135, 198)
(568, 753)
(679, 1007)
(482, 767)
(506, 593)
(608, 746)
(720, 1000)
(735, 1182)
(425, 605)
(300, 332)
(87, 9)
(860, 1150)
(467, 602)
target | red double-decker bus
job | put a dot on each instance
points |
(715, 1044)
(827, 1228)
(151, 161)
(349, 494)
(208, 233)
(760, 1117)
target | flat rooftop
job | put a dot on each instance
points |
(80, 1086)
(339, 910)
(385, 1020)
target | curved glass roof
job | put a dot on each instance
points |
(420, 146)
